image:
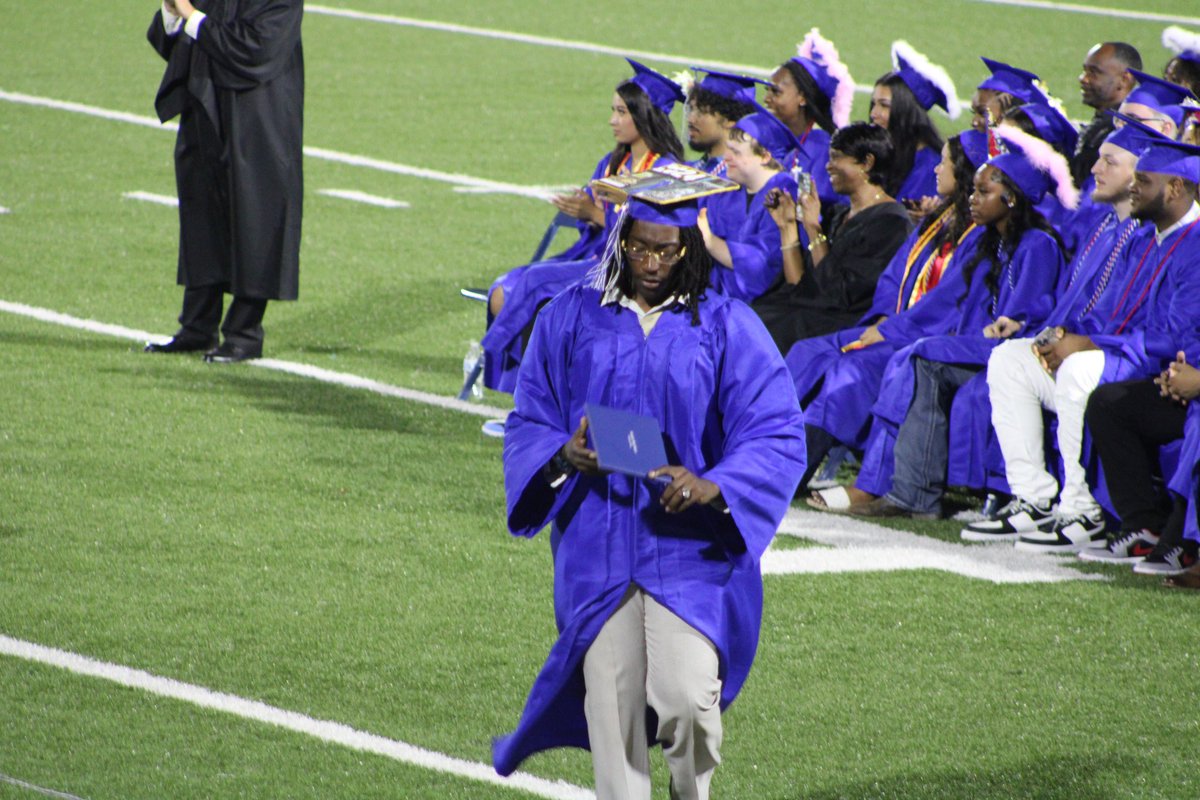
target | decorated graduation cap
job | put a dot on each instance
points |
(1162, 96)
(1034, 166)
(663, 92)
(1182, 43)
(1020, 83)
(1052, 125)
(739, 88)
(766, 129)
(975, 145)
(930, 84)
(819, 58)
(683, 214)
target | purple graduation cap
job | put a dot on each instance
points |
(683, 214)
(1182, 43)
(930, 84)
(1162, 96)
(1169, 157)
(1034, 166)
(1021, 84)
(739, 88)
(1131, 136)
(975, 146)
(663, 92)
(819, 58)
(766, 129)
(1052, 125)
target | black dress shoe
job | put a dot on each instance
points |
(180, 344)
(229, 353)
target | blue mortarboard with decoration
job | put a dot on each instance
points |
(1020, 83)
(726, 84)
(1034, 167)
(1162, 96)
(678, 215)
(1052, 125)
(929, 83)
(766, 129)
(1182, 43)
(663, 92)
(975, 146)
(819, 57)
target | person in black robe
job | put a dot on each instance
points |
(832, 285)
(235, 78)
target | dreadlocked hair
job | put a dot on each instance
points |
(689, 277)
(959, 201)
(1023, 218)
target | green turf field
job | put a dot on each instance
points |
(342, 555)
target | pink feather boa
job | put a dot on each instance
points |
(821, 50)
(1045, 159)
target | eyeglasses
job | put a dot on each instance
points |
(666, 254)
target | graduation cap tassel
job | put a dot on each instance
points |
(604, 275)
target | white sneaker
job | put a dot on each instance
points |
(1018, 517)
(1070, 534)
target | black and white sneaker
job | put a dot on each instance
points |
(1069, 534)
(1018, 517)
(1126, 547)
(1171, 559)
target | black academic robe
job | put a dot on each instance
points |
(239, 92)
(835, 294)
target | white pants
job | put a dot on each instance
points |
(1019, 389)
(645, 656)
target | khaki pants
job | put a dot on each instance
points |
(645, 656)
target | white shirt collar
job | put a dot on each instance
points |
(1187, 219)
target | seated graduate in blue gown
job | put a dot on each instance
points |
(647, 336)
(812, 93)
(715, 104)
(644, 134)
(1097, 268)
(747, 257)
(1183, 68)
(830, 283)
(1011, 275)
(838, 376)
(1147, 314)
(900, 103)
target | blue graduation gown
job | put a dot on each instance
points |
(1026, 291)
(529, 287)
(850, 382)
(975, 457)
(811, 157)
(721, 393)
(921, 180)
(1186, 478)
(754, 246)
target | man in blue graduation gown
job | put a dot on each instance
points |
(658, 594)
(1141, 328)
(235, 76)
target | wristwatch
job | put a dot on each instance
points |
(557, 470)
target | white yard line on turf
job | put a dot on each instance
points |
(39, 789)
(321, 153)
(861, 546)
(150, 197)
(290, 367)
(362, 197)
(877, 548)
(1099, 11)
(325, 730)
